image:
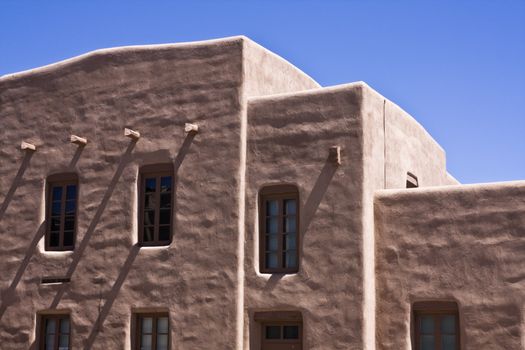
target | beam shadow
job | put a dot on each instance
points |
(16, 183)
(8, 296)
(111, 296)
(124, 160)
(76, 157)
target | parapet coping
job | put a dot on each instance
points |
(150, 47)
(458, 188)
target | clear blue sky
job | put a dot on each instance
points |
(457, 66)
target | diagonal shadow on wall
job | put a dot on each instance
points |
(111, 296)
(309, 209)
(134, 251)
(16, 182)
(77, 255)
(8, 297)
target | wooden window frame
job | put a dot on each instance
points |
(138, 328)
(281, 340)
(280, 193)
(436, 309)
(60, 180)
(43, 335)
(157, 171)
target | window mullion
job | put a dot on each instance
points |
(157, 209)
(280, 231)
(62, 217)
(57, 337)
(154, 333)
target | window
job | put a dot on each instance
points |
(55, 334)
(280, 329)
(156, 203)
(436, 326)
(279, 225)
(152, 332)
(412, 180)
(61, 211)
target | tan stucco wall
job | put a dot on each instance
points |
(155, 90)
(288, 141)
(458, 243)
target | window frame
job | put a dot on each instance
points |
(43, 335)
(138, 328)
(280, 193)
(157, 171)
(61, 180)
(436, 309)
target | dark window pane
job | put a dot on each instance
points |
(55, 223)
(55, 208)
(50, 326)
(290, 258)
(272, 224)
(165, 216)
(57, 193)
(272, 243)
(273, 332)
(162, 325)
(63, 342)
(448, 342)
(289, 224)
(427, 324)
(50, 342)
(146, 343)
(165, 184)
(147, 325)
(290, 207)
(150, 185)
(149, 217)
(271, 261)
(164, 233)
(69, 223)
(71, 192)
(53, 239)
(291, 332)
(148, 234)
(162, 342)
(272, 207)
(448, 324)
(149, 201)
(289, 242)
(165, 200)
(70, 207)
(68, 238)
(427, 342)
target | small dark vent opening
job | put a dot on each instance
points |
(412, 180)
(51, 280)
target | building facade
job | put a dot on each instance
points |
(210, 195)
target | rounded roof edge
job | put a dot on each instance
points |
(117, 49)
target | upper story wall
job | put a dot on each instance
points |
(266, 73)
(407, 146)
(460, 243)
(289, 137)
(154, 90)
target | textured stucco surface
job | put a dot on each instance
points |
(364, 256)
(288, 141)
(458, 243)
(154, 90)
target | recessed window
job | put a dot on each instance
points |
(156, 205)
(279, 227)
(412, 180)
(436, 326)
(281, 335)
(61, 212)
(152, 331)
(55, 332)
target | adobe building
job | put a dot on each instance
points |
(210, 195)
